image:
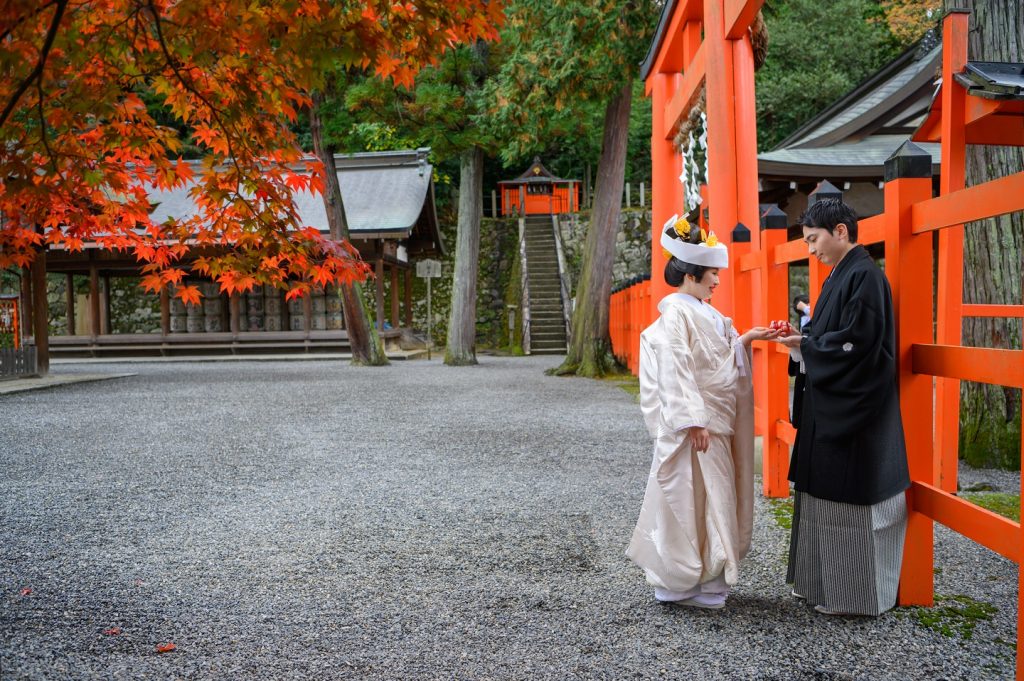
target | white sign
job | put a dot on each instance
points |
(428, 269)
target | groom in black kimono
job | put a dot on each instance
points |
(849, 464)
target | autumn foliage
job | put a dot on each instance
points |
(98, 97)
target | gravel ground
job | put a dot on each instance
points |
(314, 520)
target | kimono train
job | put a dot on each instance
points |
(697, 515)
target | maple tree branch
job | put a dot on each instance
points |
(44, 131)
(37, 72)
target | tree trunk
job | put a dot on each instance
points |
(589, 352)
(461, 348)
(40, 313)
(993, 257)
(363, 339)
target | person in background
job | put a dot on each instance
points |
(802, 307)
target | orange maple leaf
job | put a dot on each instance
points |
(166, 647)
(189, 295)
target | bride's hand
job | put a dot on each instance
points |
(758, 333)
(701, 438)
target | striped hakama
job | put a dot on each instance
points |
(846, 557)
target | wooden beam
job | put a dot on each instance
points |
(982, 365)
(996, 197)
(739, 15)
(993, 311)
(679, 106)
(1000, 534)
(871, 230)
(671, 58)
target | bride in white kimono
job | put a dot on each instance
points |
(697, 401)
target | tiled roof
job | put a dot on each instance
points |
(382, 192)
(865, 158)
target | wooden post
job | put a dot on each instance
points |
(628, 198)
(951, 245)
(165, 312)
(105, 308)
(69, 303)
(286, 313)
(379, 289)
(27, 328)
(395, 294)
(233, 313)
(1020, 572)
(774, 365)
(40, 313)
(307, 314)
(721, 115)
(747, 208)
(643, 199)
(94, 299)
(908, 256)
(664, 185)
(408, 298)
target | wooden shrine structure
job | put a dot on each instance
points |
(539, 192)
(706, 43)
(389, 204)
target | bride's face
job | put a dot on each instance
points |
(703, 289)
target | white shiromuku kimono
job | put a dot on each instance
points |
(697, 515)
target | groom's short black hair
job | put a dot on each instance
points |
(827, 213)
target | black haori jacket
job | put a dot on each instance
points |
(849, 446)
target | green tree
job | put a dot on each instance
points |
(562, 54)
(443, 110)
(817, 53)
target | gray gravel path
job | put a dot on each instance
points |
(315, 520)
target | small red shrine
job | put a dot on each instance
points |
(539, 192)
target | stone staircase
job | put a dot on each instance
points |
(547, 320)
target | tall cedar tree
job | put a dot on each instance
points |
(441, 111)
(81, 150)
(559, 53)
(993, 255)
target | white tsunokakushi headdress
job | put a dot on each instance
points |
(707, 253)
